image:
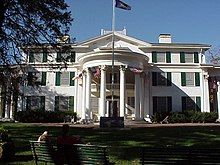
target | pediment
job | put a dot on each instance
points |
(121, 40)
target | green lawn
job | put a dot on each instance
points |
(123, 143)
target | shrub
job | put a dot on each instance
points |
(40, 116)
(159, 116)
(186, 117)
(177, 117)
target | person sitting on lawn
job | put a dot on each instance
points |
(66, 139)
(44, 137)
(65, 146)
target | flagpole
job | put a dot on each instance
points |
(113, 56)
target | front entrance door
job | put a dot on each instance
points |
(113, 110)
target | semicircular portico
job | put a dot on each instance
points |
(128, 82)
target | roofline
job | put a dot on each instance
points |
(177, 46)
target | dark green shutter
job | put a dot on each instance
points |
(44, 57)
(154, 56)
(31, 57)
(43, 78)
(73, 55)
(196, 57)
(183, 78)
(59, 57)
(182, 57)
(169, 104)
(154, 78)
(154, 104)
(42, 100)
(72, 75)
(197, 79)
(169, 79)
(168, 57)
(71, 103)
(56, 103)
(198, 103)
(57, 79)
(183, 103)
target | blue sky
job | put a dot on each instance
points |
(188, 21)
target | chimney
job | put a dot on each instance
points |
(164, 38)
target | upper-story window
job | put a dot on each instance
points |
(161, 57)
(161, 79)
(189, 57)
(37, 78)
(65, 78)
(68, 57)
(37, 57)
(190, 79)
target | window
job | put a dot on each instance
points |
(131, 102)
(161, 79)
(115, 78)
(37, 78)
(191, 103)
(190, 79)
(64, 103)
(162, 104)
(35, 103)
(64, 78)
(38, 57)
(189, 57)
(161, 57)
(65, 56)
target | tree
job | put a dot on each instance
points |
(213, 55)
(30, 22)
(27, 22)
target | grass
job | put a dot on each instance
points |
(123, 144)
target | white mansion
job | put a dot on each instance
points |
(148, 77)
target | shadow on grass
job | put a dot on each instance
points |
(123, 144)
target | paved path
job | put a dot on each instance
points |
(130, 125)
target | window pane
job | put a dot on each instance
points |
(161, 104)
(34, 103)
(161, 79)
(38, 57)
(190, 79)
(189, 57)
(63, 101)
(64, 79)
(190, 103)
(161, 57)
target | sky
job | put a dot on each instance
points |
(188, 21)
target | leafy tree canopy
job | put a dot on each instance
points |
(25, 22)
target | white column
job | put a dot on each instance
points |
(122, 91)
(141, 97)
(206, 104)
(11, 115)
(83, 111)
(137, 96)
(147, 98)
(102, 100)
(218, 99)
(88, 94)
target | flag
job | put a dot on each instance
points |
(77, 77)
(95, 71)
(135, 70)
(122, 5)
(97, 74)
